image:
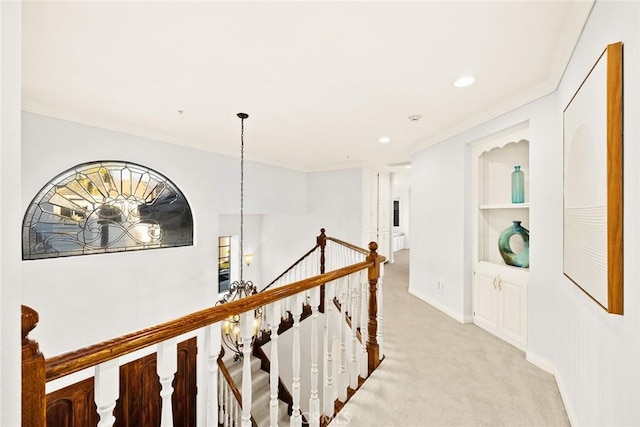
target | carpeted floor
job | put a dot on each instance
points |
(439, 372)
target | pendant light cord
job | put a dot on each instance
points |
(242, 117)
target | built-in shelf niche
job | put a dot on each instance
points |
(495, 210)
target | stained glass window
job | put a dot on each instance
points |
(102, 207)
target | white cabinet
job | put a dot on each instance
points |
(499, 291)
(500, 302)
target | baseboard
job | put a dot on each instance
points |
(565, 399)
(548, 366)
(446, 310)
(541, 362)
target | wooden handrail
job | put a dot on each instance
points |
(68, 363)
(291, 268)
(230, 381)
(350, 246)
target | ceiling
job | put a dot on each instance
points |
(322, 81)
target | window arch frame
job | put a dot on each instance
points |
(106, 206)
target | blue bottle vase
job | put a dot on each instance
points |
(517, 186)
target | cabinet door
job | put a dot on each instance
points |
(485, 310)
(513, 311)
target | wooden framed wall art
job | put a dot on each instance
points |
(593, 183)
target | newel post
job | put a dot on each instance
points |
(321, 241)
(33, 374)
(373, 348)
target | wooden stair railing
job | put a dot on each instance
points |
(37, 370)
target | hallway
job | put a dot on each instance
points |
(439, 372)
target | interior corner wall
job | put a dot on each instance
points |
(334, 202)
(10, 215)
(439, 194)
(594, 355)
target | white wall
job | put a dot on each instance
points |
(86, 299)
(267, 189)
(597, 360)
(334, 203)
(595, 355)
(10, 215)
(439, 198)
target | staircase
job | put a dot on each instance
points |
(260, 391)
(327, 356)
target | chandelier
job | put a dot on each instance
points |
(231, 336)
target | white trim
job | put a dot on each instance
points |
(549, 367)
(541, 362)
(462, 318)
(566, 401)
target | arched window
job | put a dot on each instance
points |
(107, 206)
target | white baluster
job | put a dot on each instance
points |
(236, 411)
(364, 332)
(353, 368)
(246, 326)
(220, 397)
(328, 345)
(227, 405)
(296, 415)
(287, 304)
(107, 390)
(213, 340)
(274, 373)
(342, 379)
(314, 400)
(167, 367)
(379, 334)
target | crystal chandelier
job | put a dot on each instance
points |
(231, 336)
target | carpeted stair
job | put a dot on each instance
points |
(261, 392)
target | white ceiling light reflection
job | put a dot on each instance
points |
(464, 81)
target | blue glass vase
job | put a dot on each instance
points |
(504, 246)
(517, 186)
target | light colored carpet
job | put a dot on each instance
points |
(439, 372)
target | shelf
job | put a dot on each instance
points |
(487, 263)
(504, 206)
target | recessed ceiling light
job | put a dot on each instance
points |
(464, 81)
(384, 140)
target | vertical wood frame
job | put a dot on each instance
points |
(593, 223)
